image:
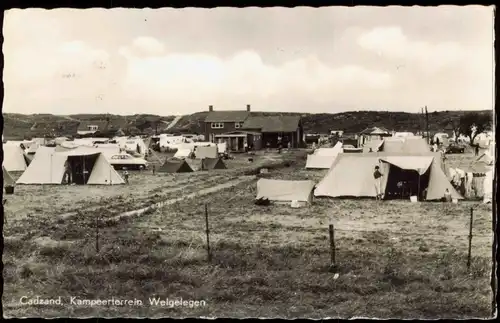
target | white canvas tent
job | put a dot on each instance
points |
(375, 146)
(352, 175)
(488, 187)
(334, 151)
(182, 153)
(285, 191)
(48, 167)
(206, 152)
(136, 145)
(14, 159)
(222, 147)
(323, 158)
(409, 145)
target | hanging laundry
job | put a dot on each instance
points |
(468, 184)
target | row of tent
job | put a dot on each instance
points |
(49, 167)
(351, 175)
(323, 158)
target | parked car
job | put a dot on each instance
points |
(126, 161)
(455, 148)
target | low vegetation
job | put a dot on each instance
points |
(18, 125)
(394, 259)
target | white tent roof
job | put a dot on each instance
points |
(418, 163)
(222, 147)
(206, 152)
(333, 152)
(182, 153)
(285, 191)
(13, 158)
(319, 162)
(323, 158)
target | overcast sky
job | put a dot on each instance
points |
(178, 61)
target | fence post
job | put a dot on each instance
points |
(332, 246)
(470, 238)
(209, 255)
(97, 232)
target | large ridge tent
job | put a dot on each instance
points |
(14, 159)
(212, 163)
(352, 176)
(285, 191)
(49, 167)
(7, 178)
(173, 165)
(323, 158)
(206, 152)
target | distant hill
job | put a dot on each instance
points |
(19, 125)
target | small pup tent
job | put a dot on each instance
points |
(352, 176)
(323, 158)
(7, 178)
(206, 152)
(50, 167)
(173, 165)
(212, 163)
(285, 191)
(14, 159)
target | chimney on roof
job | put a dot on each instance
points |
(248, 107)
(210, 108)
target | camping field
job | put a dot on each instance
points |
(395, 259)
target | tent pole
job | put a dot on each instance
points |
(83, 171)
(418, 187)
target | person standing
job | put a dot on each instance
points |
(125, 175)
(245, 145)
(377, 175)
(447, 195)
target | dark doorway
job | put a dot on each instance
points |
(402, 183)
(81, 168)
(240, 143)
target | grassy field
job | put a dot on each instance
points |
(395, 259)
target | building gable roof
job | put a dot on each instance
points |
(83, 126)
(272, 123)
(227, 116)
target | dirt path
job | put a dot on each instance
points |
(157, 193)
(199, 193)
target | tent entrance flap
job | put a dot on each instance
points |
(80, 167)
(403, 183)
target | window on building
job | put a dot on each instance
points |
(238, 125)
(217, 125)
